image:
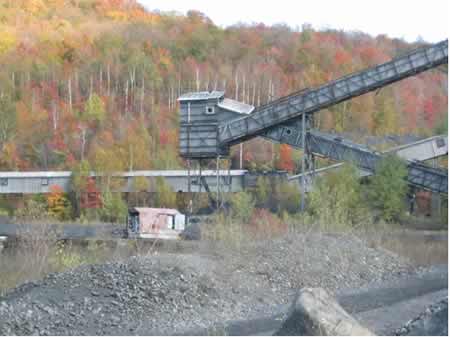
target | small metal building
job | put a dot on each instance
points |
(200, 115)
(155, 223)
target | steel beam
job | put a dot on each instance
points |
(293, 106)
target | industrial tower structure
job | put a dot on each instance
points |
(210, 123)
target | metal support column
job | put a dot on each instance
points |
(189, 208)
(303, 180)
(200, 176)
(229, 177)
(218, 182)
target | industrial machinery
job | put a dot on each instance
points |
(210, 123)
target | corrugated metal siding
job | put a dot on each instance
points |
(40, 182)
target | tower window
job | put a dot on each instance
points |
(210, 110)
(440, 142)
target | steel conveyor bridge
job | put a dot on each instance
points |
(338, 149)
(345, 88)
(210, 123)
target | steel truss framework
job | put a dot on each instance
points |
(309, 101)
(281, 120)
(325, 145)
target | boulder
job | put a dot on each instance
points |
(316, 313)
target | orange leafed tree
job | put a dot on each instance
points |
(58, 204)
(286, 163)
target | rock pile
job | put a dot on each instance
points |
(168, 293)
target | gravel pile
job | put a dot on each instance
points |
(329, 261)
(167, 293)
(432, 322)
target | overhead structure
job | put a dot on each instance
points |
(425, 149)
(210, 123)
(339, 149)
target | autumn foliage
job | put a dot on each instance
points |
(58, 204)
(98, 80)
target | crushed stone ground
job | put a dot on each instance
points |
(167, 293)
(433, 321)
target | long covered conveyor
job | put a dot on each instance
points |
(211, 123)
(347, 87)
(338, 149)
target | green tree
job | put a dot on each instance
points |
(388, 187)
(165, 197)
(242, 206)
(7, 120)
(288, 196)
(140, 186)
(94, 109)
(336, 199)
(262, 191)
(114, 208)
(79, 179)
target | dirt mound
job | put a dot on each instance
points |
(167, 293)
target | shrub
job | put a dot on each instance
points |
(288, 197)
(165, 197)
(242, 205)
(336, 199)
(114, 208)
(263, 191)
(58, 205)
(388, 187)
(264, 224)
(32, 211)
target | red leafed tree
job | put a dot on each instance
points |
(90, 197)
(285, 163)
(429, 111)
(342, 57)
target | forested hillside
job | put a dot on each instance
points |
(98, 80)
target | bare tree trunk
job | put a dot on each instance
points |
(142, 96)
(169, 89)
(100, 89)
(69, 88)
(83, 141)
(77, 86)
(126, 99)
(236, 86)
(253, 93)
(197, 78)
(258, 103)
(131, 158)
(33, 100)
(108, 79)
(55, 116)
(91, 85)
(243, 88)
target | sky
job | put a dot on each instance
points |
(406, 19)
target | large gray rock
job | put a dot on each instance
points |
(314, 312)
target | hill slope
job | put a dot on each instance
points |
(98, 80)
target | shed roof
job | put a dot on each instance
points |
(152, 173)
(236, 106)
(168, 211)
(201, 95)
